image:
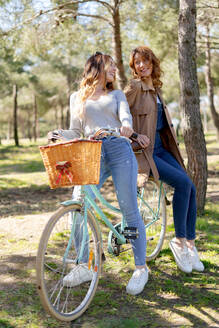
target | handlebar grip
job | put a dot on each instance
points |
(53, 139)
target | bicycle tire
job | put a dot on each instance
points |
(155, 233)
(66, 303)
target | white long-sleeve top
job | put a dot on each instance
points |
(109, 111)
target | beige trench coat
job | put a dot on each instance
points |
(143, 106)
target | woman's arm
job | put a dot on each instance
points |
(124, 114)
(75, 130)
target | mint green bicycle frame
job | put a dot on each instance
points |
(89, 202)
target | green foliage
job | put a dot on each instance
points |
(46, 56)
(158, 25)
(5, 324)
(159, 19)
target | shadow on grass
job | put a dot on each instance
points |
(169, 297)
(189, 290)
(30, 200)
(20, 303)
(5, 324)
(144, 309)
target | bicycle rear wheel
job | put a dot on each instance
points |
(152, 207)
(59, 253)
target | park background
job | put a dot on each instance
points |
(43, 48)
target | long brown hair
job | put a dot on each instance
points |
(147, 54)
(94, 67)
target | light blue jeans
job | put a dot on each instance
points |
(118, 161)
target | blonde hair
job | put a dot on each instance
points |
(147, 54)
(94, 67)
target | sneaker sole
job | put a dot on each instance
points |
(198, 270)
(176, 259)
(135, 293)
(70, 285)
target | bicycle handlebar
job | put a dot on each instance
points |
(103, 132)
(100, 133)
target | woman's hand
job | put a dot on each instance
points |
(53, 136)
(143, 140)
(126, 131)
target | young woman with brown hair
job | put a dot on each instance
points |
(98, 105)
(162, 158)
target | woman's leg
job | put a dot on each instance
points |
(184, 211)
(184, 198)
(78, 219)
(123, 165)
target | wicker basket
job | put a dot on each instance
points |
(72, 163)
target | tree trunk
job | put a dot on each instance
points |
(15, 115)
(9, 132)
(209, 83)
(35, 123)
(56, 117)
(69, 83)
(190, 104)
(29, 128)
(62, 123)
(117, 46)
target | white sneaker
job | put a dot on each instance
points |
(77, 276)
(194, 259)
(137, 282)
(181, 256)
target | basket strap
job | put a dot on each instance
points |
(62, 167)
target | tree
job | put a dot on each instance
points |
(15, 115)
(209, 83)
(193, 130)
(15, 78)
(208, 18)
(110, 15)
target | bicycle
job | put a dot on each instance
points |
(73, 237)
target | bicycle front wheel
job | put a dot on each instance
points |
(66, 251)
(152, 207)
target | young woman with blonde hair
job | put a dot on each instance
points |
(96, 105)
(162, 158)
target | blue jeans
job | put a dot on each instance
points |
(184, 198)
(118, 161)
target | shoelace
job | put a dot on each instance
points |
(185, 256)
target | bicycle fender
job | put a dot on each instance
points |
(70, 202)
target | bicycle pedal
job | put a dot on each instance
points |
(167, 201)
(131, 233)
(103, 257)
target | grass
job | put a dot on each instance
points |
(171, 298)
